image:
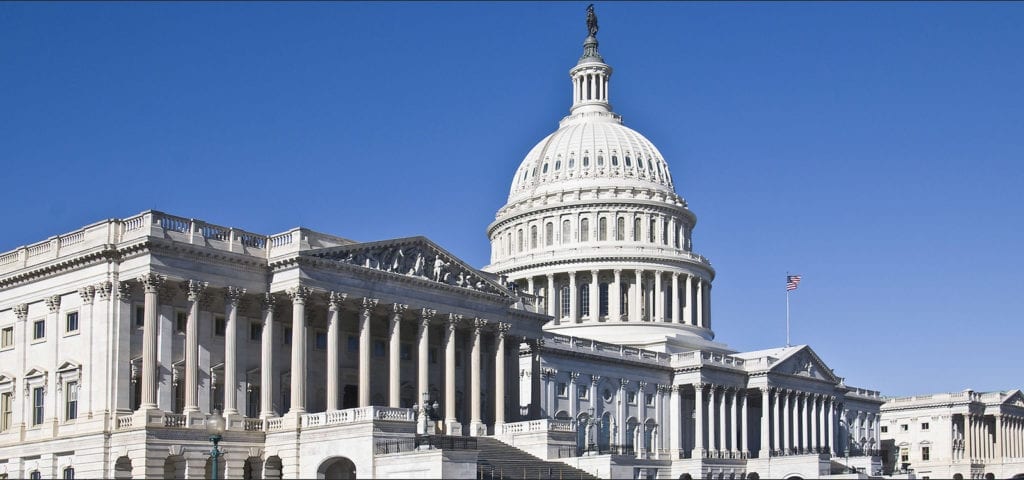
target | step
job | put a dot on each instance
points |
(497, 460)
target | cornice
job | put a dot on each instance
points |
(99, 254)
(614, 260)
(642, 205)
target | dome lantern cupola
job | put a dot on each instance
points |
(590, 75)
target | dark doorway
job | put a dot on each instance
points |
(350, 397)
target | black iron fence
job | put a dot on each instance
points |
(384, 446)
(576, 451)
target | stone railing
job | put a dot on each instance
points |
(863, 392)
(605, 349)
(124, 422)
(695, 358)
(175, 420)
(276, 423)
(152, 223)
(252, 424)
(541, 425)
(356, 415)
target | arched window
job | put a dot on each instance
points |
(572, 162)
(664, 232)
(549, 233)
(533, 236)
(566, 231)
(544, 169)
(620, 228)
(602, 229)
(651, 232)
(603, 299)
(519, 240)
(585, 230)
(629, 162)
(508, 244)
(636, 229)
(615, 160)
(600, 160)
(69, 473)
(586, 160)
(565, 301)
(584, 297)
(35, 475)
(558, 165)
(649, 166)
(640, 163)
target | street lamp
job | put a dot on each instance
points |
(215, 426)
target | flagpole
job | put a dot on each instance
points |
(787, 318)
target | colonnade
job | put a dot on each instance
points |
(626, 296)
(715, 408)
(300, 298)
(995, 436)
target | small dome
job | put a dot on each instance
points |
(587, 147)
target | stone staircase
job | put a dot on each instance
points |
(497, 460)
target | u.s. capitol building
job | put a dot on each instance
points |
(585, 347)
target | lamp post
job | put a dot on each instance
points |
(215, 426)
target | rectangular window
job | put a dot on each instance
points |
(924, 426)
(602, 292)
(140, 315)
(926, 453)
(649, 399)
(631, 397)
(582, 392)
(904, 455)
(255, 331)
(885, 429)
(405, 351)
(353, 343)
(903, 428)
(563, 389)
(37, 405)
(321, 340)
(7, 337)
(565, 301)
(180, 321)
(71, 401)
(585, 300)
(286, 339)
(71, 322)
(6, 407)
(69, 473)
(39, 329)
(219, 326)
(35, 475)
(378, 348)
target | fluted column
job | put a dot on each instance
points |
(499, 376)
(365, 314)
(615, 297)
(814, 423)
(675, 298)
(744, 447)
(451, 425)
(698, 421)
(298, 296)
(658, 309)
(675, 422)
(712, 424)
(423, 350)
(394, 355)
(777, 422)
(734, 429)
(232, 295)
(194, 289)
(787, 445)
(832, 426)
(805, 418)
(151, 284)
(698, 301)
(688, 307)
(476, 425)
(334, 301)
(595, 297)
(267, 358)
(722, 412)
(765, 451)
(549, 298)
(573, 299)
(638, 297)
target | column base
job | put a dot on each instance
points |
(477, 429)
(764, 453)
(195, 419)
(452, 427)
(697, 453)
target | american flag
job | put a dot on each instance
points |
(792, 281)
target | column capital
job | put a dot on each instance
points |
(53, 303)
(617, 271)
(594, 379)
(88, 293)
(194, 289)
(594, 272)
(335, 299)
(573, 376)
(397, 309)
(268, 302)
(21, 311)
(426, 314)
(641, 385)
(658, 272)
(299, 294)
(478, 324)
(368, 304)
(503, 328)
(453, 321)
(700, 386)
(233, 295)
(124, 291)
(623, 383)
(151, 282)
(104, 288)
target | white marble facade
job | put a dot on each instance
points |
(587, 340)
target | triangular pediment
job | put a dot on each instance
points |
(803, 362)
(1015, 398)
(35, 372)
(413, 257)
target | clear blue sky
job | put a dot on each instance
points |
(875, 148)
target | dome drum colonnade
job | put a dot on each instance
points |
(593, 224)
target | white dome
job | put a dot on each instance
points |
(591, 148)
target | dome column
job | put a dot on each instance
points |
(688, 294)
(699, 302)
(550, 298)
(595, 303)
(573, 299)
(615, 297)
(638, 297)
(658, 309)
(675, 298)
